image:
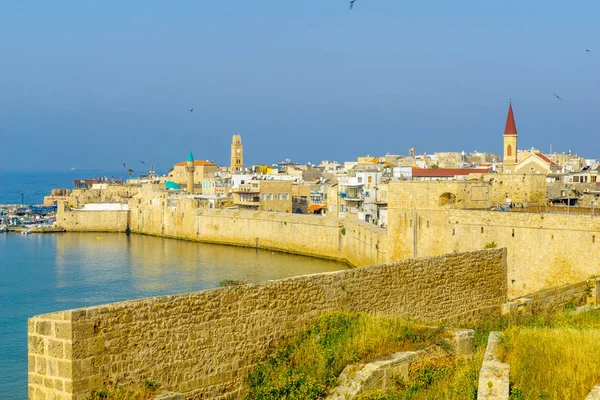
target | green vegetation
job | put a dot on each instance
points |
(343, 230)
(551, 356)
(490, 245)
(146, 391)
(442, 378)
(309, 366)
(232, 282)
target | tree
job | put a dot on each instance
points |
(130, 172)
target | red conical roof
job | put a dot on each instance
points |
(511, 128)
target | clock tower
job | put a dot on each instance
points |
(237, 155)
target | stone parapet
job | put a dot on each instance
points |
(203, 344)
(494, 383)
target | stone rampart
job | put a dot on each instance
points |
(205, 343)
(357, 243)
(545, 250)
(95, 221)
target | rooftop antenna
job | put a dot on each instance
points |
(550, 148)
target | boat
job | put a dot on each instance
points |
(26, 231)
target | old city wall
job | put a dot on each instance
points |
(355, 242)
(205, 343)
(96, 221)
(544, 250)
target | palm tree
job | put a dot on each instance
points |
(129, 172)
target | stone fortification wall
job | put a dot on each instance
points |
(544, 250)
(355, 242)
(96, 221)
(204, 343)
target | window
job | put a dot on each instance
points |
(270, 196)
(370, 179)
(302, 199)
(509, 150)
(287, 196)
(279, 196)
(264, 196)
(359, 179)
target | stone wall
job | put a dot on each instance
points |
(205, 343)
(50, 356)
(355, 242)
(96, 221)
(544, 250)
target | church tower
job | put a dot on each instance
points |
(509, 162)
(237, 154)
(189, 169)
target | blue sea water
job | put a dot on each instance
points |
(41, 273)
(35, 185)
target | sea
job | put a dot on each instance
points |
(42, 273)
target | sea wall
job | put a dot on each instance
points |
(95, 221)
(544, 250)
(205, 343)
(355, 242)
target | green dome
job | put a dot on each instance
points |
(172, 185)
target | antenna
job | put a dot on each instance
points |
(550, 148)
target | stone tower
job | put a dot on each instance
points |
(509, 162)
(189, 169)
(237, 154)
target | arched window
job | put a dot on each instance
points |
(509, 151)
(446, 199)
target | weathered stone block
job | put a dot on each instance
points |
(43, 328)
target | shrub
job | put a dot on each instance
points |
(490, 245)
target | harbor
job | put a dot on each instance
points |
(26, 219)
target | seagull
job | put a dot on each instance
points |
(587, 50)
(142, 162)
(352, 3)
(123, 165)
(557, 96)
(192, 109)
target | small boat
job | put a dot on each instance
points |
(25, 231)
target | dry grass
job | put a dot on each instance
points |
(560, 363)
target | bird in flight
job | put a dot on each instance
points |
(123, 165)
(352, 4)
(192, 109)
(557, 96)
(587, 50)
(142, 162)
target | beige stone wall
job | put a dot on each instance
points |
(544, 250)
(205, 343)
(50, 356)
(355, 242)
(479, 191)
(96, 221)
(109, 194)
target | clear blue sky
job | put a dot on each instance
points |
(91, 84)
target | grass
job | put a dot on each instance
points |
(308, 367)
(444, 378)
(552, 363)
(566, 342)
(143, 392)
(232, 282)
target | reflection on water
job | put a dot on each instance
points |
(45, 273)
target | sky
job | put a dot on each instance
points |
(90, 85)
